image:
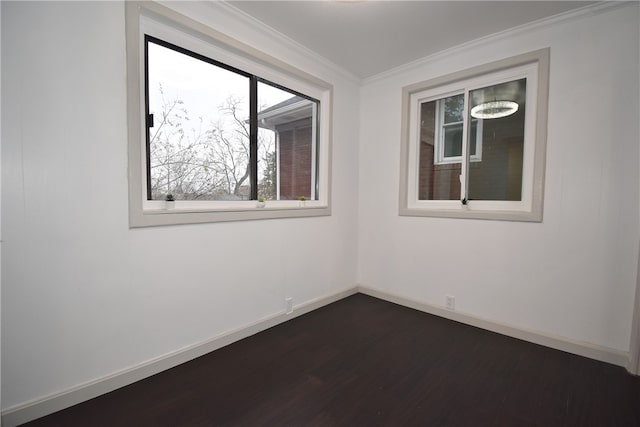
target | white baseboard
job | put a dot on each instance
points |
(592, 351)
(26, 412)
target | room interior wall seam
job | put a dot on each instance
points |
(40, 407)
(585, 349)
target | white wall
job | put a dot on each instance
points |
(84, 296)
(571, 276)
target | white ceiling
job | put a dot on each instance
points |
(370, 37)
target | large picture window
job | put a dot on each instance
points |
(219, 131)
(473, 143)
(207, 140)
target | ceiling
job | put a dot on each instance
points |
(370, 37)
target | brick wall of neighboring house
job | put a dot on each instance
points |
(295, 159)
(436, 182)
(425, 169)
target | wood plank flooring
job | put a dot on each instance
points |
(366, 362)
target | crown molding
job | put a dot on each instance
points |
(271, 34)
(233, 13)
(597, 8)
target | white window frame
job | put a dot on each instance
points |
(440, 158)
(163, 23)
(535, 67)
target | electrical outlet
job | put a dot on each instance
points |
(450, 302)
(289, 303)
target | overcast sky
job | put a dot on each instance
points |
(202, 87)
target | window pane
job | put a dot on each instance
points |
(453, 108)
(499, 175)
(199, 144)
(453, 140)
(286, 144)
(436, 181)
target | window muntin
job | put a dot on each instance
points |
(500, 183)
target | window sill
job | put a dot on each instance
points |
(496, 215)
(177, 216)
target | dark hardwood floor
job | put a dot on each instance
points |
(366, 362)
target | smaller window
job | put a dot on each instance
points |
(473, 143)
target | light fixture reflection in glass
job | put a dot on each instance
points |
(494, 109)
